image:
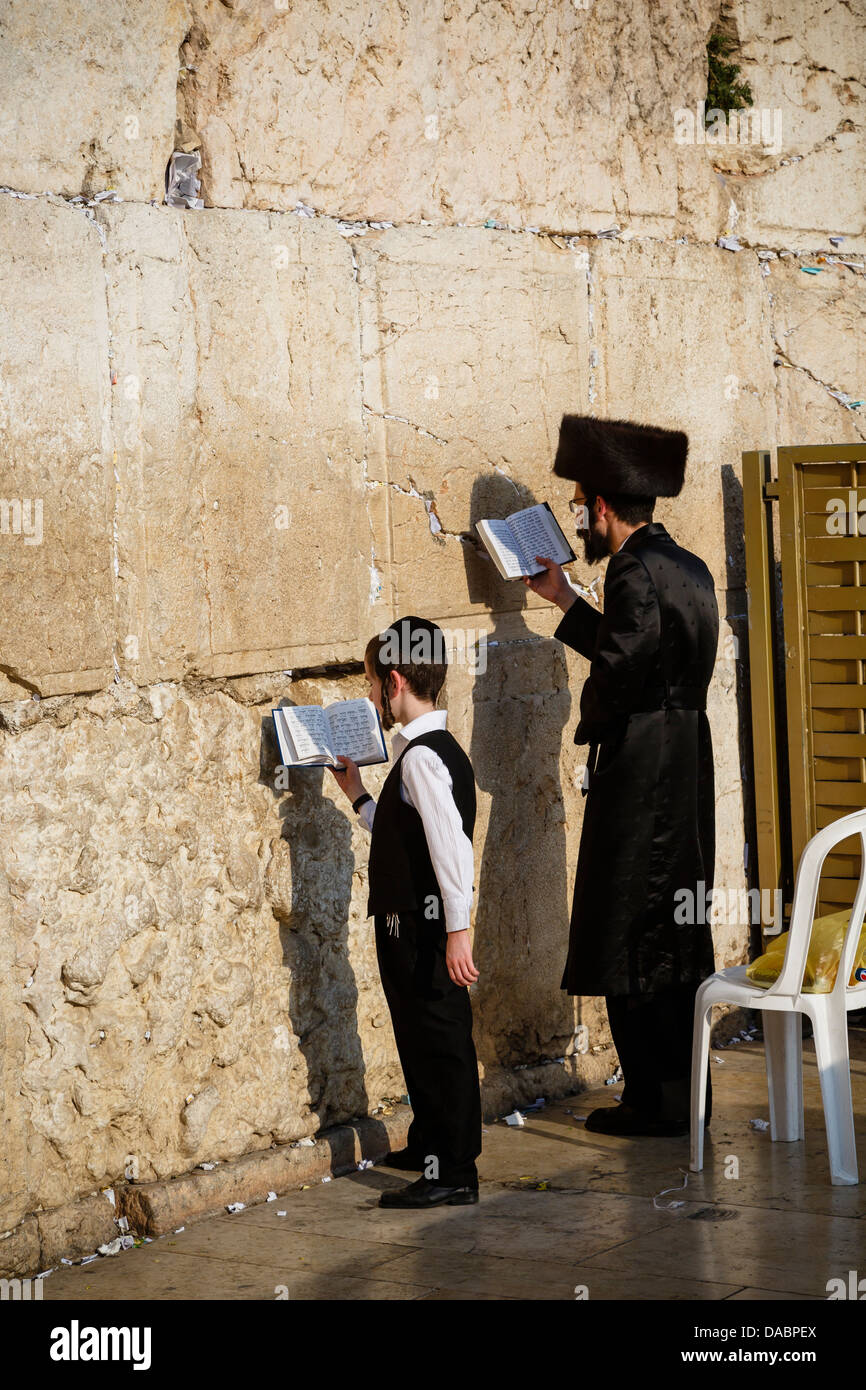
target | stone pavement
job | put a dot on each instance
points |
(560, 1210)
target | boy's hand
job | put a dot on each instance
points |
(458, 958)
(552, 584)
(348, 777)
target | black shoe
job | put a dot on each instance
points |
(424, 1193)
(621, 1119)
(404, 1159)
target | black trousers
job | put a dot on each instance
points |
(432, 1019)
(652, 1034)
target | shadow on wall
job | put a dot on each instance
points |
(735, 612)
(314, 932)
(521, 704)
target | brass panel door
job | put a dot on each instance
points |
(821, 497)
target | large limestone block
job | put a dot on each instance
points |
(56, 480)
(281, 440)
(809, 415)
(474, 345)
(244, 539)
(557, 114)
(804, 62)
(683, 342)
(803, 204)
(89, 94)
(819, 329)
(77, 1229)
(162, 577)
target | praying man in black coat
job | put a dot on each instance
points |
(639, 934)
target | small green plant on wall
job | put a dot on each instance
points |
(724, 92)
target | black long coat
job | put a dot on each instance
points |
(649, 816)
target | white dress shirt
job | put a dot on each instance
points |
(425, 784)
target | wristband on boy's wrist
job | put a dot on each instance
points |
(359, 801)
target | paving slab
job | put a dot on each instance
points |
(173, 1277)
(545, 1278)
(789, 1252)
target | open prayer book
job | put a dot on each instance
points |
(514, 543)
(312, 736)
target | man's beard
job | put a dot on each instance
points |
(594, 545)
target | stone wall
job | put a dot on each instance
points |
(258, 431)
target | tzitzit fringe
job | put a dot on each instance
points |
(393, 923)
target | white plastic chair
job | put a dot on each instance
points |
(782, 1004)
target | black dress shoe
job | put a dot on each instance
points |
(425, 1193)
(404, 1159)
(621, 1119)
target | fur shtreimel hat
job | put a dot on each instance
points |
(619, 456)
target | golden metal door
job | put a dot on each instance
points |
(820, 496)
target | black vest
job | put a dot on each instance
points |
(401, 872)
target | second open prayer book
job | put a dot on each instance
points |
(514, 543)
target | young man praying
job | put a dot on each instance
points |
(421, 880)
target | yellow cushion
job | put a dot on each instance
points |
(822, 962)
